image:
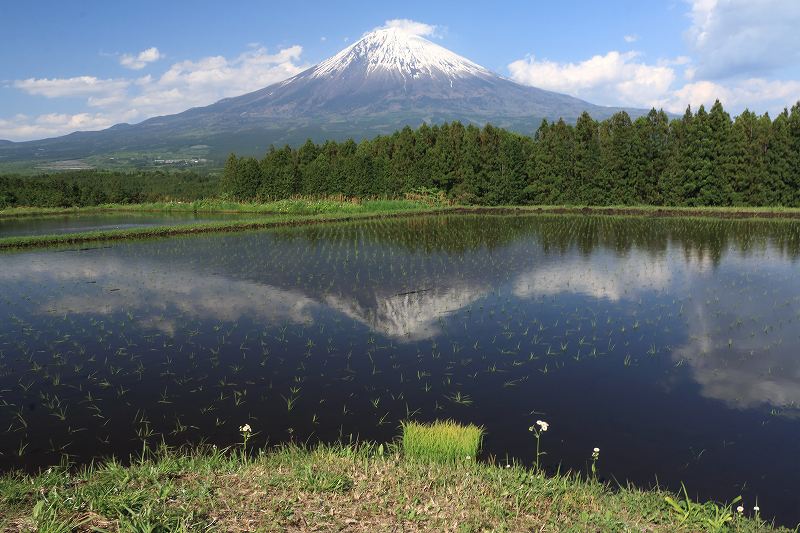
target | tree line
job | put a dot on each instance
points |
(81, 188)
(704, 158)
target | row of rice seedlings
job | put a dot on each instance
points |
(442, 440)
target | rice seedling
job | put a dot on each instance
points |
(459, 398)
(441, 440)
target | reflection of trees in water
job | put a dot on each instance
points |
(700, 238)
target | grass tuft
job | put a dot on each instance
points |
(441, 441)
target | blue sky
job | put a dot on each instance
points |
(90, 64)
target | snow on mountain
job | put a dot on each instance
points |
(392, 51)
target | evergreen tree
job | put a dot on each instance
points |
(671, 184)
(616, 184)
(584, 187)
(715, 178)
(466, 190)
(781, 189)
(650, 152)
(230, 175)
(402, 161)
(794, 156)
(698, 153)
(553, 164)
(749, 177)
(248, 179)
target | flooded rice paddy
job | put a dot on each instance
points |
(70, 223)
(672, 345)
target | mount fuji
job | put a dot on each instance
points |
(386, 80)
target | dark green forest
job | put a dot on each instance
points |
(704, 158)
(80, 188)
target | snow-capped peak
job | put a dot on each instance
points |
(392, 50)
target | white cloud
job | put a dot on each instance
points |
(21, 127)
(616, 78)
(757, 93)
(413, 27)
(71, 87)
(139, 61)
(624, 79)
(631, 38)
(195, 83)
(184, 84)
(742, 37)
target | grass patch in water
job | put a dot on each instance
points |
(443, 440)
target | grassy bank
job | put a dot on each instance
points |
(331, 488)
(305, 206)
(310, 206)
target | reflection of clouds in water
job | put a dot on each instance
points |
(747, 384)
(203, 297)
(407, 316)
(737, 350)
(141, 288)
(727, 351)
(601, 275)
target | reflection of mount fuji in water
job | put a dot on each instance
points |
(408, 315)
(156, 289)
(402, 316)
(401, 284)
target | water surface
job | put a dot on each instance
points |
(671, 345)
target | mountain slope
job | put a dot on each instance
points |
(384, 81)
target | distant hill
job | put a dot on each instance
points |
(386, 80)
